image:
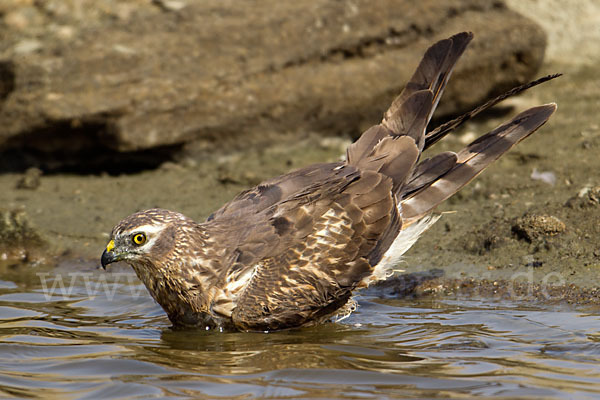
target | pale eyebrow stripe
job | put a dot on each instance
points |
(145, 229)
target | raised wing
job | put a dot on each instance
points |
(408, 116)
(411, 111)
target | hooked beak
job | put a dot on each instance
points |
(108, 256)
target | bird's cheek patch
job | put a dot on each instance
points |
(162, 245)
(110, 246)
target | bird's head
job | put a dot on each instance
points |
(144, 237)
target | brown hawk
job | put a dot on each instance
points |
(291, 251)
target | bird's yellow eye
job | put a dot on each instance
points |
(138, 239)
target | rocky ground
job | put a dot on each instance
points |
(94, 128)
(91, 86)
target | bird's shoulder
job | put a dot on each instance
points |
(265, 219)
(279, 189)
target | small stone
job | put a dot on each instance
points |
(334, 143)
(119, 48)
(532, 227)
(170, 5)
(27, 46)
(22, 18)
(585, 198)
(65, 32)
(30, 179)
(170, 166)
(16, 20)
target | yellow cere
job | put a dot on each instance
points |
(110, 246)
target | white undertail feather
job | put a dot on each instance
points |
(405, 240)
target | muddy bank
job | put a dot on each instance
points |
(533, 216)
(92, 86)
(482, 234)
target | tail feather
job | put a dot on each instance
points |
(472, 160)
(438, 133)
(393, 147)
(412, 117)
(379, 148)
(429, 170)
(393, 157)
(433, 71)
(366, 143)
(401, 158)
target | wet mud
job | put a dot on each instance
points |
(533, 215)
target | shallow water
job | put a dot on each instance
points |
(101, 335)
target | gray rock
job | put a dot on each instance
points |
(221, 69)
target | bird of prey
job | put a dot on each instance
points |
(291, 251)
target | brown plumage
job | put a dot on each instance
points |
(291, 251)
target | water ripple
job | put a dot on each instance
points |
(120, 346)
